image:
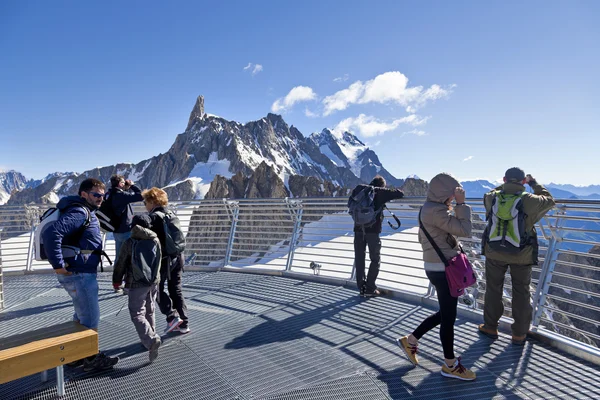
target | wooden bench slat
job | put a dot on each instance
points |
(43, 349)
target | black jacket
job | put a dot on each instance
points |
(121, 204)
(157, 226)
(382, 196)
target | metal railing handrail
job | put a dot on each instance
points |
(290, 235)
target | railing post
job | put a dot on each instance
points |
(28, 267)
(548, 266)
(234, 219)
(1, 277)
(295, 207)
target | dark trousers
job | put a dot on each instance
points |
(361, 241)
(445, 317)
(172, 304)
(493, 307)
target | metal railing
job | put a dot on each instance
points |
(315, 236)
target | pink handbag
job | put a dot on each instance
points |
(459, 272)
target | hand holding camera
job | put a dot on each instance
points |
(459, 195)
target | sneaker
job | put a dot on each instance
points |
(171, 326)
(489, 332)
(409, 349)
(100, 363)
(183, 329)
(458, 371)
(153, 350)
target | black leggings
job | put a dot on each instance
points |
(446, 316)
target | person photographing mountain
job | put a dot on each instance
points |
(510, 242)
(366, 205)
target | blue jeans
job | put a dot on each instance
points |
(120, 238)
(83, 289)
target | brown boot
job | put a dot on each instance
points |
(519, 340)
(489, 332)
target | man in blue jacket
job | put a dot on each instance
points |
(76, 265)
(123, 193)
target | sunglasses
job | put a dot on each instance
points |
(96, 195)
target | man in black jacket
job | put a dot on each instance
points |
(123, 193)
(370, 237)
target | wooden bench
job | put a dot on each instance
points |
(40, 350)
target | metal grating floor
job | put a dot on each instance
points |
(267, 337)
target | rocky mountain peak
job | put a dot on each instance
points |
(197, 113)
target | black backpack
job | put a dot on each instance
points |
(174, 237)
(145, 260)
(109, 220)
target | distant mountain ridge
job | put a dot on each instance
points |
(212, 146)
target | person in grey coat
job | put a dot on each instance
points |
(141, 294)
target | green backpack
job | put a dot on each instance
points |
(505, 230)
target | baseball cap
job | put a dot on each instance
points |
(514, 174)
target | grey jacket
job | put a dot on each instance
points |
(439, 222)
(123, 266)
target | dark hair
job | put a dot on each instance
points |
(89, 184)
(514, 174)
(115, 180)
(378, 181)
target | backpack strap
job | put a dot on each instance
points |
(435, 246)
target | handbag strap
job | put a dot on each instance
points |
(435, 246)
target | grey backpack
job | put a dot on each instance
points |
(145, 260)
(361, 206)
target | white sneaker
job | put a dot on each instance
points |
(184, 330)
(171, 326)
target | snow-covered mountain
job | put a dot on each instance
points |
(10, 181)
(582, 192)
(347, 151)
(213, 146)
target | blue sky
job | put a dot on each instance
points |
(471, 88)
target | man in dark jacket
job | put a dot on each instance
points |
(370, 237)
(123, 193)
(76, 267)
(141, 295)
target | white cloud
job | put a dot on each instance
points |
(310, 114)
(343, 78)
(369, 126)
(415, 132)
(342, 99)
(468, 158)
(255, 68)
(297, 94)
(389, 87)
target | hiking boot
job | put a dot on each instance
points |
(183, 329)
(171, 326)
(363, 288)
(372, 293)
(458, 371)
(409, 349)
(519, 340)
(153, 350)
(75, 364)
(489, 332)
(100, 363)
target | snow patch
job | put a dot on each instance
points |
(326, 150)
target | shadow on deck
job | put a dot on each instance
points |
(267, 337)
